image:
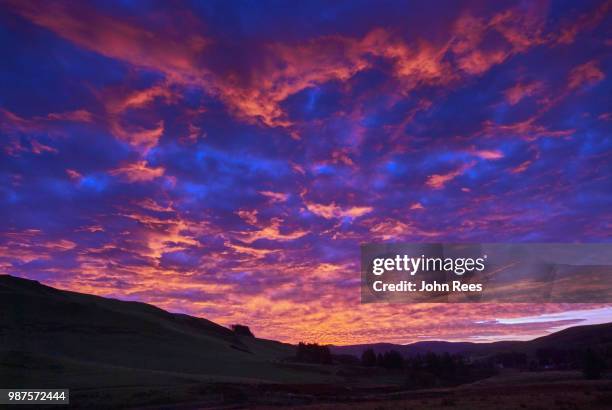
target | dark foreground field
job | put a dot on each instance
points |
(556, 390)
(510, 390)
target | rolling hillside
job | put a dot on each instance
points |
(84, 340)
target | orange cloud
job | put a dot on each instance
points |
(271, 232)
(60, 245)
(335, 211)
(488, 154)
(116, 38)
(396, 230)
(74, 116)
(522, 167)
(249, 217)
(166, 51)
(342, 157)
(275, 196)
(13, 125)
(39, 147)
(527, 130)
(521, 30)
(286, 69)
(30, 245)
(254, 252)
(586, 21)
(138, 172)
(118, 104)
(74, 175)
(438, 181)
(290, 68)
(152, 205)
(139, 136)
(390, 229)
(159, 235)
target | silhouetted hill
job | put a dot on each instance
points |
(73, 336)
(578, 338)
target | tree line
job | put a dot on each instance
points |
(431, 369)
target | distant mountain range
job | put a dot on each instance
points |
(578, 337)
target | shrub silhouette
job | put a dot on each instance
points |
(593, 365)
(368, 358)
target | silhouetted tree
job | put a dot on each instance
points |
(543, 357)
(368, 358)
(593, 365)
(347, 359)
(242, 330)
(432, 362)
(313, 353)
(379, 359)
(447, 366)
(434, 370)
(392, 360)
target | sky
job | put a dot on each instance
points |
(226, 159)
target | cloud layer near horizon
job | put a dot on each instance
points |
(226, 159)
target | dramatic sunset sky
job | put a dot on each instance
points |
(226, 158)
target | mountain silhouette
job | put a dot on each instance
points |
(578, 338)
(71, 335)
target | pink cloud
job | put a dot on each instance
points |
(522, 90)
(74, 116)
(587, 73)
